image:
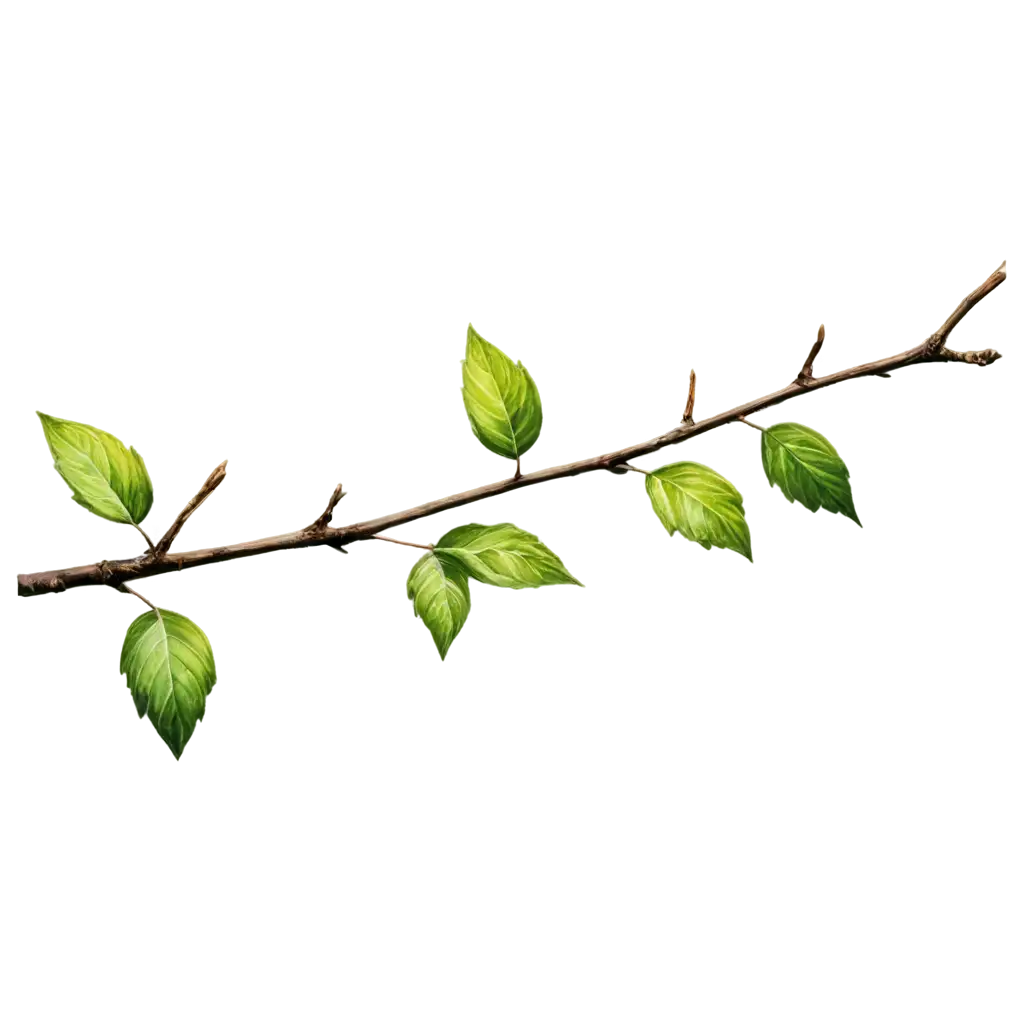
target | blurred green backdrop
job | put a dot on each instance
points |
(289, 214)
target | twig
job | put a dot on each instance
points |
(807, 373)
(212, 483)
(324, 519)
(688, 415)
(114, 573)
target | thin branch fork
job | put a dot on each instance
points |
(932, 350)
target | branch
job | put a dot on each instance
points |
(932, 350)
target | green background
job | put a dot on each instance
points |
(291, 213)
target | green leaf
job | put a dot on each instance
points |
(439, 591)
(502, 401)
(807, 469)
(169, 664)
(701, 505)
(104, 476)
(504, 556)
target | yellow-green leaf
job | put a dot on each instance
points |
(104, 476)
(702, 505)
(504, 556)
(439, 592)
(501, 399)
(169, 664)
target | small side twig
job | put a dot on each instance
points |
(324, 519)
(212, 483)
(688, 415)
(807, 373)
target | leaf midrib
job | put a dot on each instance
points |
(504, 408)
(501, 398)
(807, 466)
(729, 499)
(95, 470)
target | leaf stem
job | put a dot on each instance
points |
(152, 550)
(405, 543)
(743, 419)
(128, 590)
(634, 469)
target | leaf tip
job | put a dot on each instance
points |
(174, 750)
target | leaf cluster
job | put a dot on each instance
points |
(168, 659)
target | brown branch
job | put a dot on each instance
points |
(119, 572)
(212, 483)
